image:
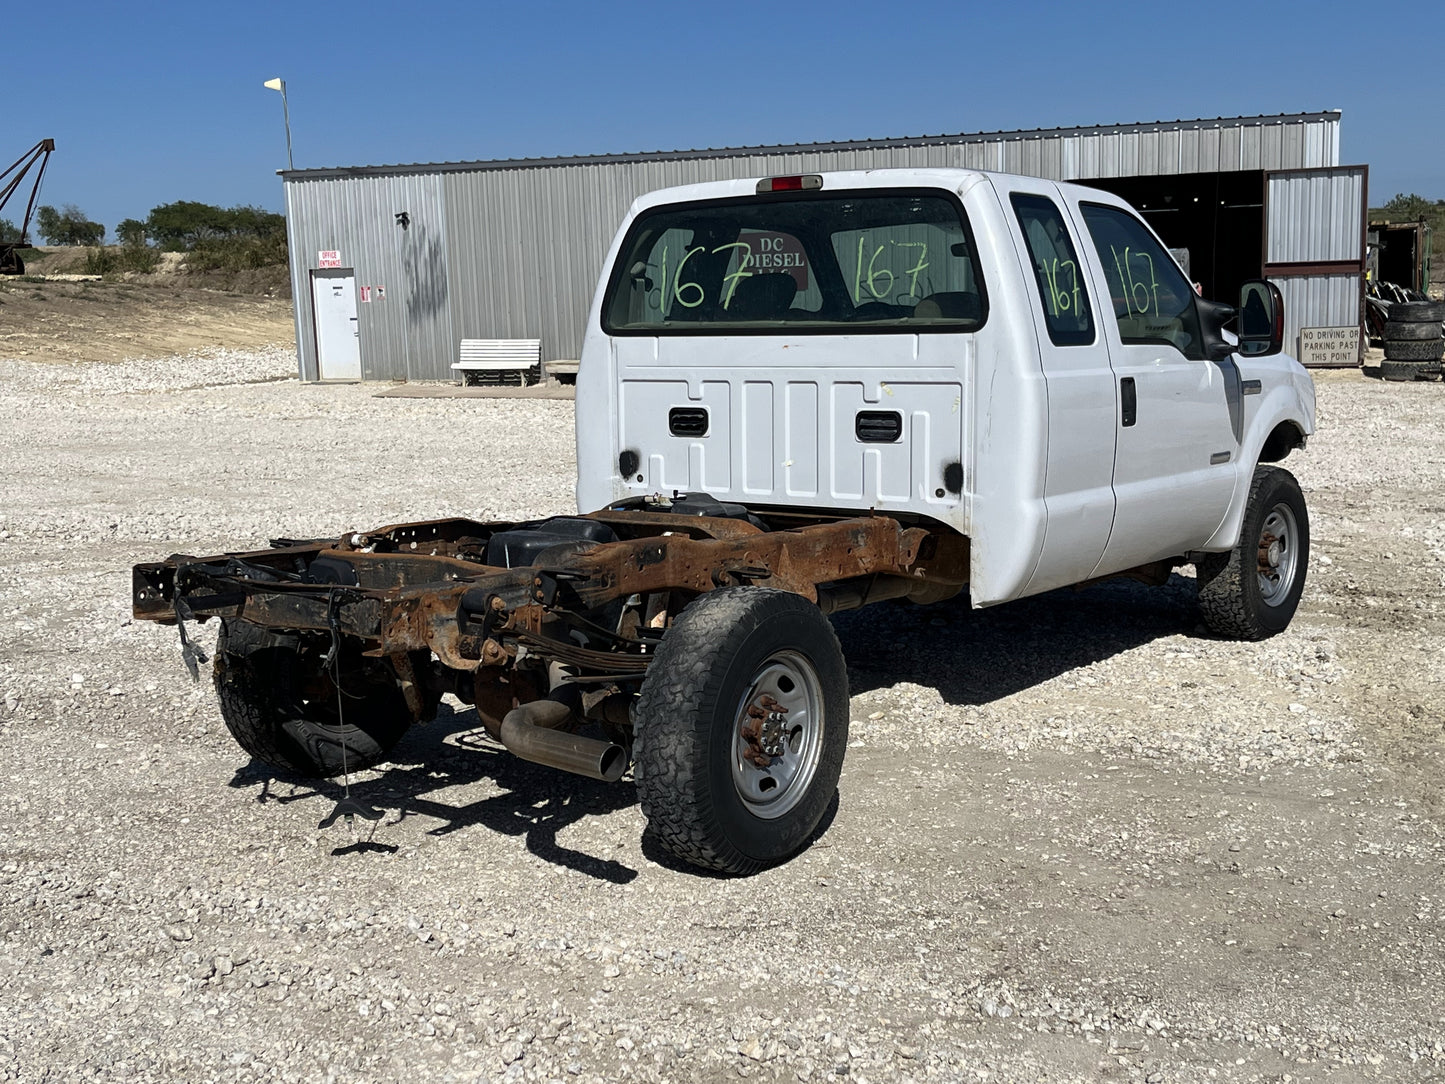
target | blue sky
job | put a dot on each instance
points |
(155, 102)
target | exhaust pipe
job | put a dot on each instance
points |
(530, 733)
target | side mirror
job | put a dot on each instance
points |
(1213, 315)
(1261, 318)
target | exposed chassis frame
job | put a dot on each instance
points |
(421, 586)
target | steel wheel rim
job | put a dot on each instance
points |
(1279, 540)
(777, 737)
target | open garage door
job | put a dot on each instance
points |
(1216, 218)
(1314, 224)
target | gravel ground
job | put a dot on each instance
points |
(1076, 839)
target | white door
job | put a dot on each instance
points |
(1175, 449)
(338, 340)
(1079, 471)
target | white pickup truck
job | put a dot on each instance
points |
(797, 395)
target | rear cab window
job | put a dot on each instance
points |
(871, 260)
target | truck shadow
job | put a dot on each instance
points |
(974, 657)
(451, 752)
(971, 656)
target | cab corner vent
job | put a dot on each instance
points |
(687, 421)
(878, 426)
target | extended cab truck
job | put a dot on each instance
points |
(797, 395)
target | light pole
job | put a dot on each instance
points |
(280, 84)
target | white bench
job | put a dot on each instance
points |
(494, 361)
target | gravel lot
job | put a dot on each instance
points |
(1075, 840)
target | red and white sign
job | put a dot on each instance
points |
(365, 295)
(328, 257)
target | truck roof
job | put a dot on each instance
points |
(951, 179)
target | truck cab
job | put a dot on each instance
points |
(1018, 359)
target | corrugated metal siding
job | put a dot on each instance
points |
(501, 252)
(406, 336)
(1318, 301)
(1315, 215)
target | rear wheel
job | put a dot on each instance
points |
(741, 729)
(1252, 592)
(281, 705)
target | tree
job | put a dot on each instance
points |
(131, 232)
(179, 226)
(1412, 208)
(257, 222)
(183, 225)
(8, 230)
(67, 226)
(47, 223)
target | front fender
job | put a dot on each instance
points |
(1289, 400)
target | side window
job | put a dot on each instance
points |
(1153, 302)
(1061, 280)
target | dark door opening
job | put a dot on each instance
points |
(1404, 253)
(1217, 217)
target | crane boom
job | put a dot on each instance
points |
(10, 261)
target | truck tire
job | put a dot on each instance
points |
(1399, 331)
(1252, 592)
(1429, 350)
(1401, 371)
(280, 704)
(741, 729)
(1418, 311)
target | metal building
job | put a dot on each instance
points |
(392, 266)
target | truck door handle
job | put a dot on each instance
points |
(1130, 400)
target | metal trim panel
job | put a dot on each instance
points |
(1327, 118)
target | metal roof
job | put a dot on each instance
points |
(800, 148)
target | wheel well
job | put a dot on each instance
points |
(1285, 437)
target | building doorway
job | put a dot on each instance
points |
(338, 335)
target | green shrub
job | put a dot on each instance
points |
(140, 258)
(101, 261)
(108, 261)
(237, 253)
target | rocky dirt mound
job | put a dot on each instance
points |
(111, 321)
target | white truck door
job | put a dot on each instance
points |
(1176, 448)
(1079, 471)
